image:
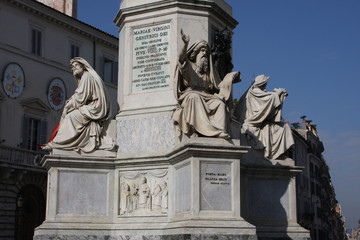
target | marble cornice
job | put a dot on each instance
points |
(178, 7)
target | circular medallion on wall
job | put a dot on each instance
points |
(13, 80)
(56, 94)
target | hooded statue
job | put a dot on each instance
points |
(201, 95)
(259, 112)
(85, 112)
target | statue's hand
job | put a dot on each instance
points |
(184, 37)
(281, 92)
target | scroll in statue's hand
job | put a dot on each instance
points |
(226, 84)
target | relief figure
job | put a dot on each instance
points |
(164, 198)
(134, 198)
(144, 194)
(125, 199)
(156, 196)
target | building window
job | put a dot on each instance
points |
(36, 42)
(311, 168)
(110, 71)
(33, 133)
(74, 51)
(312, 188)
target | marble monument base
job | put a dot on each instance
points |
(269, 199)
(192, 192)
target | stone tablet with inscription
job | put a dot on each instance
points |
(215, 186)
(151, 58)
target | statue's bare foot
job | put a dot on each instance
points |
(194, 135)
(224, 135)
(46, 147)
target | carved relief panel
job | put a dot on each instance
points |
(143, 193)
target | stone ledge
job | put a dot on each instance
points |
(147, 237)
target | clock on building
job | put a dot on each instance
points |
(56, 94)
(13, 80)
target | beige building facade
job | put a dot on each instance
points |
(36, 45)
(316, 199)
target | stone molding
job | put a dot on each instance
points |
(177, 6)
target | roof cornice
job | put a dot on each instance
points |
(66, 21)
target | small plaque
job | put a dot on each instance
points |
(215, 186)
(151, 58)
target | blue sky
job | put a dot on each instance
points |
(309, 47)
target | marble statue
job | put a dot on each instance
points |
(85, 112)
(156, 196)
(125, 203)
(203, 108)
(134, 198)
(144, 194)
(259, 111)
(164, 197)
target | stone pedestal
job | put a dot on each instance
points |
(205, 188)
(269, 197)
(149, 37)
(158, 187)
(193, 192)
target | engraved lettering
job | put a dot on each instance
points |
(151, 58)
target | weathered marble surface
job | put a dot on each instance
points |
(146, 133)
(203, 97)
(143, 193)
(145, 126)
(109, 136)
(82, 193)
(85, 113)
(259, 111)
(148, 237)
(183, 188)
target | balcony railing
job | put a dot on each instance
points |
(19, 156)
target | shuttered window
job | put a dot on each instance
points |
(110, 68)
(33, 133)
(74, 51)
(36, 42)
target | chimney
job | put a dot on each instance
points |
(68, 7)
(303, 122)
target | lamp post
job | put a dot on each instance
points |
(19, 205)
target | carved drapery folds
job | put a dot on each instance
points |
(259, 112)
(86, 114)
(143, 193)
(204, 99)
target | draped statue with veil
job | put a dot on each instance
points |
(259, 111)
(85, 112)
